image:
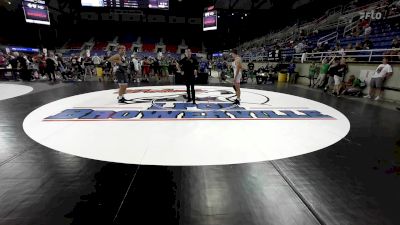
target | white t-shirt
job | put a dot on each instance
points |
(96, 60)
(368, 30)
(382, 70)
(135, 64)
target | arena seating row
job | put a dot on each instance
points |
(148, 44)
(383, 32)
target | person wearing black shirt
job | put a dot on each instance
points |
(51, 65)
(14, 65)
(250, 66)
(76, 66)
(189, 66)
(368, 44)
(331, 73)
(339, 74)
(25, 73)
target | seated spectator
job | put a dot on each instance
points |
(356, 31)
(349, 47)
(325, 47)
(368, 44)
(396, 42)
(367, 30)
(358, 46)
(353, 86)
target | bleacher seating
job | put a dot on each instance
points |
(100, 46)
(147, 47)
(383, 32)
(171, 48)
(128, 39)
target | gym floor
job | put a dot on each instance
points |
(355, 181)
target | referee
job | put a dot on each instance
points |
(189, 67)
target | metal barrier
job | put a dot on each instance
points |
(327, 38)
(373, 55)
(358, 56)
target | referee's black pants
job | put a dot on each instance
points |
(190, 88)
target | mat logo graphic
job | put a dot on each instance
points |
(187, 111)
(169, 104)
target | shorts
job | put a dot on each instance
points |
(121, 77)
(377, 82)
(330, 81)
(338, 80)
(238, 78)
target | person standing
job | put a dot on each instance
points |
(189, 66)
(237, 74)
(252, 74)
(331, 72)
(134, 68)
(322, 73)
(145, 70)
(61, 66)
(311, 73)
(339, 76)
(97, 66)
(121, 72)
(383, 71)
(23, 63)
(76, 67)
(51, 65)
(292, 72)
(14, 65)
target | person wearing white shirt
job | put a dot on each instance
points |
(383, 71)
(135, 68)
(96, 60)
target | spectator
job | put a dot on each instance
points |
(61, 66)
(14, 65)
(396, 42)
(3, 60)
(291, 72)
(42, 65)
(368, 44)
(51, 65)
(349, 47)
(358, 46)
(339, 75)
(331, 72)
(341, 51)
(367, 30)
(252, 74)
(353, 86)
(395, 48)
(383, 72)
(311, 73)
(23, 67)
(322, 73)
